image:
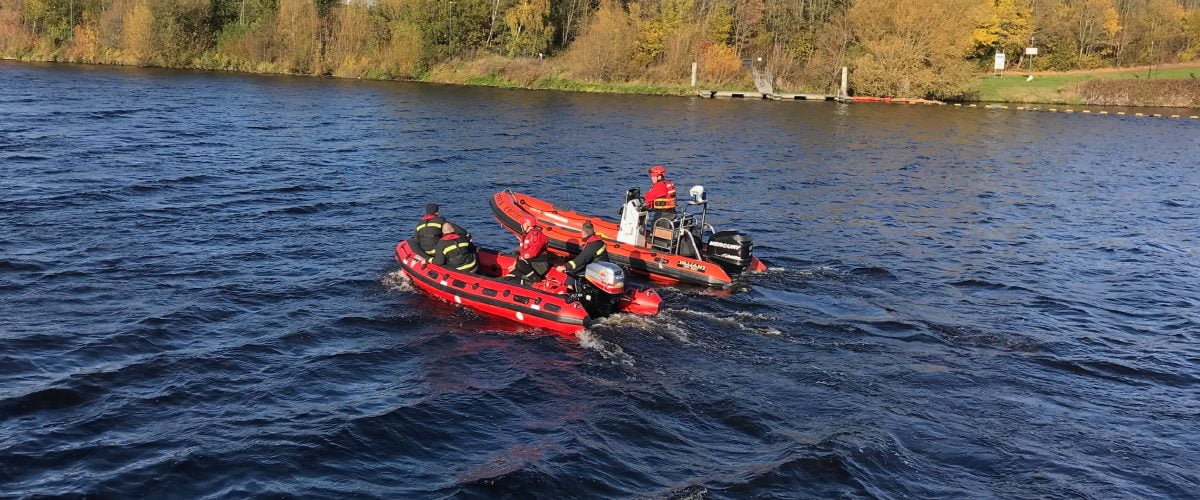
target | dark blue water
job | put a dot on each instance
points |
(198, 297)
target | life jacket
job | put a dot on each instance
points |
(458, 252)
(428, 232)
(667, 201)
(533, 243)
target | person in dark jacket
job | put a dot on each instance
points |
(429, 231)
(593, 250)
(455, 251)
(533, 261)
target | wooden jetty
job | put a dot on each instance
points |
(749, 94)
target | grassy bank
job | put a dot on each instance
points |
(1067, 87)
(540, 74)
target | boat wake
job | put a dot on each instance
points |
(396, 281)
(608, 350)
(740, 320)
(660, 324)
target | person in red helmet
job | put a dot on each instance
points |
(533, 262)
(660, 199)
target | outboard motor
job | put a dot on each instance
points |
(601, 288)
(733, 250)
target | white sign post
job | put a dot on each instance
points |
(999, 66)
(1031, 52)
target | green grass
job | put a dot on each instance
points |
(1059, 88)
(558, 83)
(490, 80)
(566, 84)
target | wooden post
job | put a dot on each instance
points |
(693, 73)
(845, 83)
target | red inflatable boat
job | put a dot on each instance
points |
(713, 262)
(549, 304)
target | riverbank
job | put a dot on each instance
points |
(512, 74)
(1105, 87)
(1138, 87)
(539, 74)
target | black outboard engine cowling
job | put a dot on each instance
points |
(733, 250)
(600, 288)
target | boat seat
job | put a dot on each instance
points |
(662, 236)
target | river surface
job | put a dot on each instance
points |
(198, 297)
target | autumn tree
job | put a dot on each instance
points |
(605, 44)
(907, 52)
(351, 32)
(528, 31)
(1156, 30)
(1007, 28)
(1090, 24)
(136, 34)
(1191, 30)
(296, 35)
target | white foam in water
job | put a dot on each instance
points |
(608, 350)
(396, 281)
(736, 319)
(660, 324)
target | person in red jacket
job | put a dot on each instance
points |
(660, 199)
(533, 261)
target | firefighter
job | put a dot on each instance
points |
(429, 231)
(593, 251)
(533, 262)
(455, 251)
(660, 199)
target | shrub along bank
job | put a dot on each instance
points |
(931, 49)
(1177, 93)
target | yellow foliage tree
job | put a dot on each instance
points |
(1091, 24)
(296, 34)
(528, 31)
(654, 34)
(136, 33)
(1007, 29)
(14, 37)
(907, 52)
(1191, 28)
(346, 53)
(1162, 28)
(605, 45)
(403, 55)
(720, 64)
(85, 44)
